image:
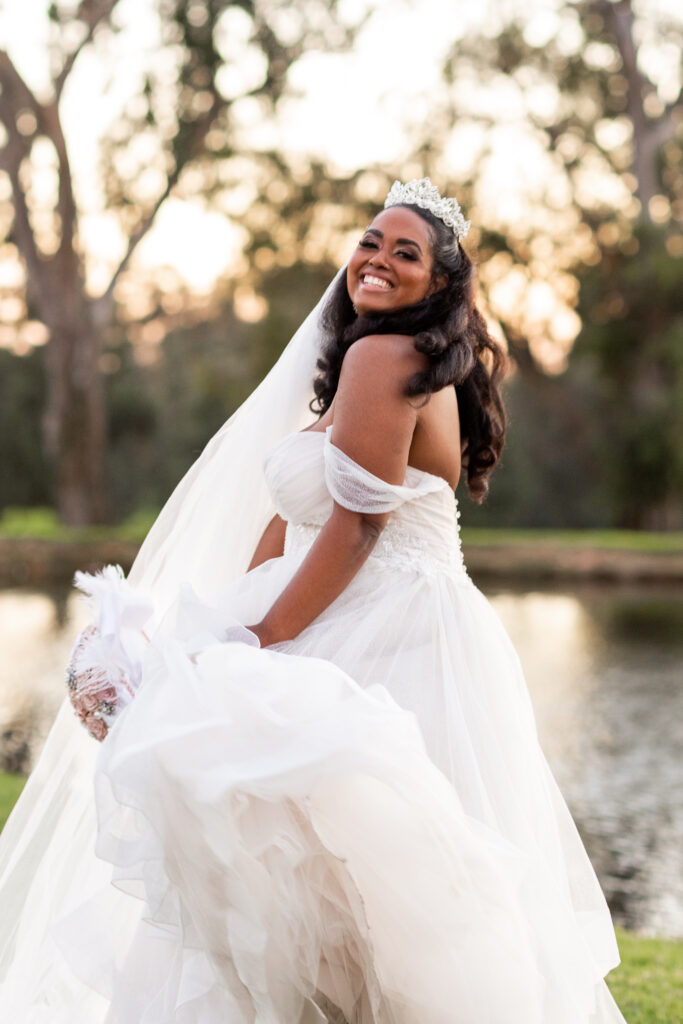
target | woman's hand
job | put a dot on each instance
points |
(338, 552)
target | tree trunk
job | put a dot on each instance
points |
(74, 424)
(648, 135)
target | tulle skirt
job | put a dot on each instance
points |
(358, 824)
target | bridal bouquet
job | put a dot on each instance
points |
(105, 666)
(105, 669)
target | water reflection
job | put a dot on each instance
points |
(37, 630)
(604, 668)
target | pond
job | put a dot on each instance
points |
(605, 672)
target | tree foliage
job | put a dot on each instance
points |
(579, 100)
(200, 376)
(632, 344)
(593, 94)
(185, 116)
(23, 480)
(583, 102)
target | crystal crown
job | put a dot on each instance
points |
(421, 192)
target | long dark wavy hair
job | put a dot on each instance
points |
(450, 330)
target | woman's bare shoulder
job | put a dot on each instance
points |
(374, 420)
(382, 354)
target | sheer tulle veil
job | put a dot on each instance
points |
(204, 536)
(209, 527)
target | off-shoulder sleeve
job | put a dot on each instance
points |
(354, 487)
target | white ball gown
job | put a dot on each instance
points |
(357, 824)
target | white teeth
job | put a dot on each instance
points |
(369, 279)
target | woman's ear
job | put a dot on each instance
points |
(437, 284)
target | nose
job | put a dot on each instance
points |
(378, 259)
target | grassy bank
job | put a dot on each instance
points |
(10, 788)
(612, 540)
(36, 550)
(648, 985)
(42, 524)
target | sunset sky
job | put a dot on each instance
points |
(352, 109)
(348, 110)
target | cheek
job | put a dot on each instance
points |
(354, 264)
(420, 280)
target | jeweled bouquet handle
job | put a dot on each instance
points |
(105, 666)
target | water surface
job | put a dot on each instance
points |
(605, 672)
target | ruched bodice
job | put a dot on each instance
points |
(307, 473)
(356, 823)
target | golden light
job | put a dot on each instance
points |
(248, 306)
(659, 208)
(350, 109)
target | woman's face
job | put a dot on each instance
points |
(392, 264)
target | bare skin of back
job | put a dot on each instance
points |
(376, 425)
(435, 445)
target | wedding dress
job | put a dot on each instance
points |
(355, 824)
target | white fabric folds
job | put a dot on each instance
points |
(355, 824)
(357, 489)
(290, 838)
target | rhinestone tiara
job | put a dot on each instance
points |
(421, 192)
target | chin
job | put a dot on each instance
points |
(384, 305)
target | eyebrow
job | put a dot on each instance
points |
(400, 241)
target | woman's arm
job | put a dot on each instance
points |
(337, 554)
(272, 543)
(373, 424)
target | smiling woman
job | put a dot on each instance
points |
(320, 795)
(410, 278)
(393, 264)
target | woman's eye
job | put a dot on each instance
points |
(369, 243)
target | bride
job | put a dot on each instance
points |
(320, 795)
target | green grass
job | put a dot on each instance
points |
(648, 984)
(42, 524)
(625, 540)
(10, 788)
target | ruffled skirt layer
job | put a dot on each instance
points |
(357, 825)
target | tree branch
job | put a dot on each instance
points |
(66, 201)
(92, 16)
(619, 16)
(201, 129)
(665, 128)
(104, 300)
(14, 96)
(10, 162)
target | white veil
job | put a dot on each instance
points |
(209, 527)
(205, 535)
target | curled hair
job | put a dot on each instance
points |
(449, 329)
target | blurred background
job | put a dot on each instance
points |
(179, 179)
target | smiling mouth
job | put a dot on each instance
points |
(375, 282)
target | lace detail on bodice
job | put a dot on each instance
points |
(306, 473)
(397, 547)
